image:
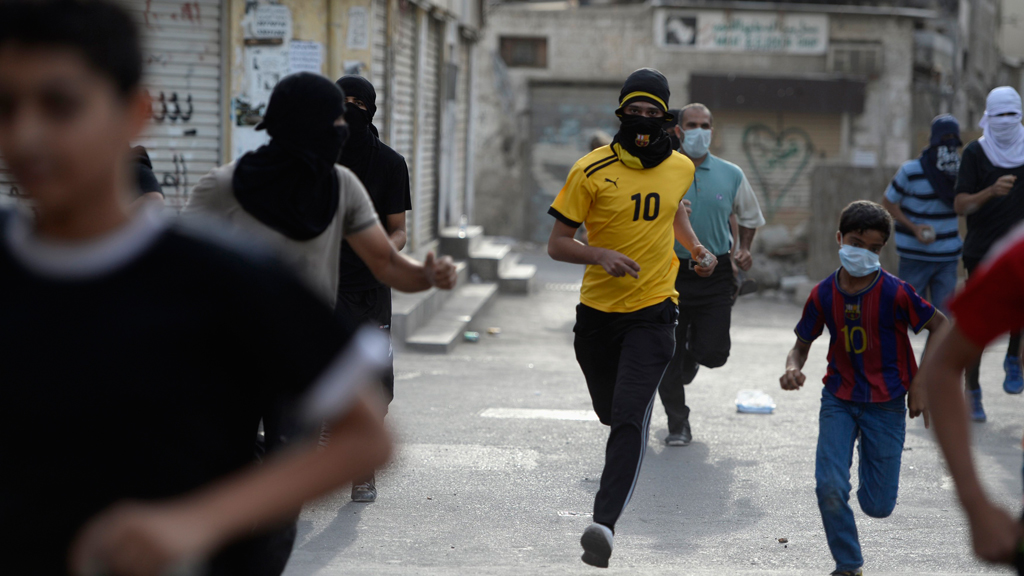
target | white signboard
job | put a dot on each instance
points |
(358, 37)
(305, 56)
(737, 31)
(271, 21)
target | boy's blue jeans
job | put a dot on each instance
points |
(881, 427)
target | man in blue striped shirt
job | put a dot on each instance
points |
(920, 199)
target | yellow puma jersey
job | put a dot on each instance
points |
(632, 212)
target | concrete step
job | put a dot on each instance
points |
(459, 247)
(488, 258)
(517, 279)
(410, 312)
(446, 328)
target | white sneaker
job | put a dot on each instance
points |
(597, 545)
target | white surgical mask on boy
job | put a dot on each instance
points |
(696, 142)
(858, 262)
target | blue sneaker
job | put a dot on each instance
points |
(977, 411)
(1014, 383)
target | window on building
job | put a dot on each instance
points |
(524, 52)
(856, 58)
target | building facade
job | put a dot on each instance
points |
(211, 65)
(791, 86)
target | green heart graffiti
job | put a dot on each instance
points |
(778, 159)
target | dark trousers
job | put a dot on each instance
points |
(373, 307)
(972, 378)
(623, 357)
(702, 336)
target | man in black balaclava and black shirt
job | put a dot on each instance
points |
(385, 175)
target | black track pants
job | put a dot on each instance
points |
(623, 357)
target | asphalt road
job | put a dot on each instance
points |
(499, 458)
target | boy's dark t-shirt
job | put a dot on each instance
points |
(870, 358)
(997, 216)
(386, 180)
(142, 373)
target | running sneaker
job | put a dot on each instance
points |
(977, 410)
(681, 438)
(857, 572)
(365, 491)
(597, 545)
(1014, 383)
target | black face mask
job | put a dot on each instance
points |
(357, 119)
(645, 138)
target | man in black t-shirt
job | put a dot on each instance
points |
(128, 421)
(385, 175)
(990, 192)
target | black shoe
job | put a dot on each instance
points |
(681, 438)
(857, 572)
(597, 545)
(365, 491)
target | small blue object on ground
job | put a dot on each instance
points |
(754, 402)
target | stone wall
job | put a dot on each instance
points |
(595, 45)
(834, 188)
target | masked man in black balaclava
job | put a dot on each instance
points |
(629, 195)
(385, 175)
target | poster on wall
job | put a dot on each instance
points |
(720, 31)
(304, 56)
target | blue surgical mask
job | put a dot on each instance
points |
(696, 142)
(858, 262)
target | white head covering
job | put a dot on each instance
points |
(1003, 141)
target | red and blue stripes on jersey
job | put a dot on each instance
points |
(870, 358)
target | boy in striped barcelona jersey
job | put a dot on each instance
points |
(868, 381)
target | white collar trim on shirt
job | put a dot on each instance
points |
(82, 260)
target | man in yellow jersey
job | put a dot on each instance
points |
(628, 194)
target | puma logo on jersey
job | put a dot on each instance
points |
(610, 181)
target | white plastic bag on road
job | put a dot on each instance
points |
(754, 402)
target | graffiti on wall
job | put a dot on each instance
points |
(778, 160)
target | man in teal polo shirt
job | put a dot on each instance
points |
(719, 190)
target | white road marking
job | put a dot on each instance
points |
(539, 414)
(465, 457)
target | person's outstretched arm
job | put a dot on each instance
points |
(686, 237)
(388, 265)
(994, 532)
(142, 539)
(917, 393)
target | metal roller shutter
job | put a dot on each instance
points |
(182, 72)
(461, 131)
(427, 124)
(401, 121)
(378, 62)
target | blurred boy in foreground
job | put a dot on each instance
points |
(129, 420)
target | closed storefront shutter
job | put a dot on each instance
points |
(182, 57)
(778, 153)
(461, 130)
(401, 121)
(427, 123)
(183, 69)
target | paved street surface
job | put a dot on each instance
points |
(499, 458)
